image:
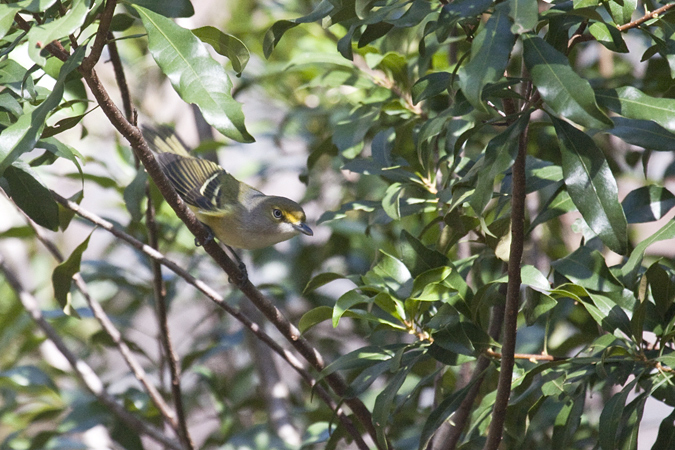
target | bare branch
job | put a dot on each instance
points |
(652, 15)
(83, 371)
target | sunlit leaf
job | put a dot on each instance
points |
(592, 186)
(569, 95)
(194, 74)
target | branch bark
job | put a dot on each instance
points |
(83, 371)
(512, 297)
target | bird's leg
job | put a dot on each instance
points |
(208, 239)
(242, 267)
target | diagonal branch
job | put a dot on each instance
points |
(212, 295)
(114, 334)
(80, 367)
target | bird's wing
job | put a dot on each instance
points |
(201, 183)
(162, 139)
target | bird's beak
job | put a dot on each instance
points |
(304, 229)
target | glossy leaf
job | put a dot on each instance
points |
(429, 86)
(634, 104)
(439, 415)
(194, 74)
(611, 417)
(524, 14)
(621, 10)
(225, 44)
(587, 268)
(666, 436)
(62, 276)
(565, 92)
(314, 317)
(456, 11)
(21, 136)
(32, 196)
(41, 35)
(643, 133)
(490, 52)
(592, 186)
(499, 156)
(167, 8)
(321, 280)
(647, 204)
(630, 269)
(662, 287)
(276, 31)
(345, 302)
(608, 36)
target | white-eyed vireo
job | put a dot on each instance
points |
(237, 214)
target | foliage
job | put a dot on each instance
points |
(415, 116)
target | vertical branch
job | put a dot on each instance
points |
(512, 297)
(160, 304)
(159, 289)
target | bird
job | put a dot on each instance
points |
(235, 213)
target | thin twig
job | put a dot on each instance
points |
(160, 304)
(652, 15)
(110, 329)
(512, 297)
(83, 371)
(529, 356)
(212, 295)
(121, 79)
(90, 61)
(287, 329)
(461, 417)
(134, 136)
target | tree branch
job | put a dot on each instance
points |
(110, 330)
(90, 61)
(652, 15)
(512, 297)
(212, 295)
(83, 371)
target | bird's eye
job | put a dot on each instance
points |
(277, 213)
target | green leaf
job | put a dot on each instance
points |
(276, 31)
(430, 258)
(314, 317)
(558, 204)
(587, 268)
(134, 195)
(565, 92)
(167, 8)
(27, 378)
(40, 36)
(630, 269)
(647, 204)
(442, 412)
(456, 11)
(194, 74)
(634, 104)
(611, 417)
(662, 288)
(490, 51)
(320, 280)
(592, 186)
(608, 36)
(391, 202)
(62, 276)
(524, 14)
(621, 10)
(429, 86)
(32, 196)
(665, 439)
(345, 302)
(499, 156)
(225, 44)
(384, 403)
(21, 136)
(643, 133)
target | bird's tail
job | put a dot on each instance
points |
(162, 139)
